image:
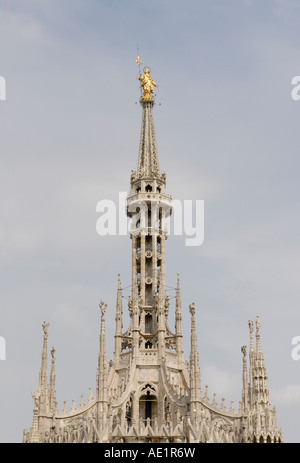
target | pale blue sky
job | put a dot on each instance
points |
(227, 132)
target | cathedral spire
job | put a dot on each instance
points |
(251, 360)
(119, 324)
(102, 373)
(148, 206)
(52, 382)
(258, 346)
(259, 372)
(43, 379)
(148, 157)
(194, 364)
(264, 419)
(102, 362)
(245, 380)
(178, 322)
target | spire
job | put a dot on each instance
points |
(148, 157)
(41, 394)
(102, 373)
(43, 379)
(119, 308)
(148, 206)
(194, 360)
(250, 323)
(251, 360)
(52, 383)
(178, 322)
(34, 434)
(259, 372)
(119, 324)
(264, 419)
(178, 315)
(258, 346)
(102, 362)
(245, 379)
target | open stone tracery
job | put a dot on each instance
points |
(148, 392)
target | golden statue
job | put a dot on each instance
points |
(147, 84)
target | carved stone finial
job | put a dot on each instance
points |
(257, 324)
(82, 403)
(250, 323)
(192, 308)
(45, 328)
(65, 409)
(103, 307)
(36, 395)
(53, 353)
(244, 350)
(73, 405)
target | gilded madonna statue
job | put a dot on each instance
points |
(147, 84)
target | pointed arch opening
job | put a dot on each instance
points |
(148, 323)
(148, 405)
(148, 408)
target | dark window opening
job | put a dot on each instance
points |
(148, 323)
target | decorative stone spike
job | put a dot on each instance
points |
(215, 403)
(73, 405)
(91, 395)
(65, 409)
(82, 404)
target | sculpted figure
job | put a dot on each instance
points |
(103, 307)
(147, 83)
(45, 329)
(192, 308)
(244, 350)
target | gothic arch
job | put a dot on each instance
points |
(147, 387)
(148, 403)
